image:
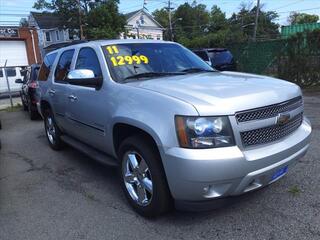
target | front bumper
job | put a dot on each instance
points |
(203, 174)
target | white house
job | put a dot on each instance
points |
(141, 25)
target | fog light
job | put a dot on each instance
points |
(216, 190)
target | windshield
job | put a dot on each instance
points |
(219, 58)
(149, 60)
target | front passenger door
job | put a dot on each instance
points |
(86, 111)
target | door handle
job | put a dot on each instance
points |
(52, 92)
(72, 98)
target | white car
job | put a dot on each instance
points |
(13, 73)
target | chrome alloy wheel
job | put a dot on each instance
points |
(50, 129)
(137, 178)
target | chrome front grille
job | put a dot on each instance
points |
(270, 134)
(268, 111)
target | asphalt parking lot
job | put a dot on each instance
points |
(65, 195)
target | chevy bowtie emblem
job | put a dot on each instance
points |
(283, 118)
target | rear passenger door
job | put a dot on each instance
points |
(58, 92)
(86, 110)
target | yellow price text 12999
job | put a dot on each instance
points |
(123, 60)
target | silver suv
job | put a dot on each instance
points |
(180, 131)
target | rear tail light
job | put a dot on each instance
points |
(33, 85)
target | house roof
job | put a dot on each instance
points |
(134, 13)
(131, 14)
(47, 20)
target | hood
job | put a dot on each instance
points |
(223, 93)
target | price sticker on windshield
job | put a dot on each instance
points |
(112, 49)
(129, 60)
(121, 60)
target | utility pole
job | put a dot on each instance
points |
(169, 8)
(80, 21)
(256, 21)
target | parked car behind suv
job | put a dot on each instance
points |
(219, 58)
(28, 90)
(178, 130)
(12, 73)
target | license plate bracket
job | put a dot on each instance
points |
(279, 173)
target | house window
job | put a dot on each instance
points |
(48, 37)
(57, 35)
(158, 37)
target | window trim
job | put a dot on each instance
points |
(57, 35)
(56, 65)
(45, 34)
(51, 66)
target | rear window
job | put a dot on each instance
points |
(221, 57)
(202, 54)
(46, 67)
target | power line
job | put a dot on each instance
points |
(284, 6)
(300, 10)
(14, 14)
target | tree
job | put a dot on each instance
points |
(162, 17)
(24, 22)
(100, 18)
(301, 18)
(68, 11)
(195, 21)
(104, 21)
(245, 18)
(218, 20)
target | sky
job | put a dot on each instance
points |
(12, 10)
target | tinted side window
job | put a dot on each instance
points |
(63, 66)
(46, 67)
(11, 72)
(87, 59)
(34, 73)
(222, 57)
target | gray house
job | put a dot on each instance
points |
(50, 29)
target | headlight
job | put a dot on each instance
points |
(204, 132)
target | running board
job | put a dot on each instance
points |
(89, 151)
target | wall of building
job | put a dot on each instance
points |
(147, 27)
(144, 33)
(30, 37)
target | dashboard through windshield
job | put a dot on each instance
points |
(148, 60)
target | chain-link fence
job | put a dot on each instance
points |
(296, 59)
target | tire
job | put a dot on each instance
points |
(33, 114)
(52, 131)
(149, 168)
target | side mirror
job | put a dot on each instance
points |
(84, 77)
(19, 80)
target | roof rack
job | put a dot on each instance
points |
(56, 46)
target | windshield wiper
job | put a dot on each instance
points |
(196, 70)
(152, 74)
